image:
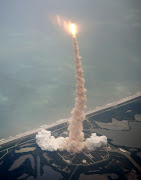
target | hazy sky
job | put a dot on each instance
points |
(37, 83)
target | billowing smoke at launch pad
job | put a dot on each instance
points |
(75, 142)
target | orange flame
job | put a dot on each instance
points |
(73, 29)
(67, 25)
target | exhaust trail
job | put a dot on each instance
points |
(75, 141)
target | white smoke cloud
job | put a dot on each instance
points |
(49, 143)
(95, 142)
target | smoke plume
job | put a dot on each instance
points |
(94, 142)
(49, 143)
(75, 142)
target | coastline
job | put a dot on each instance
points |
(61, 121)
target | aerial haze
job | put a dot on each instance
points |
(37, 83)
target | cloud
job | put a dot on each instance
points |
(49, 143)
(95, 142)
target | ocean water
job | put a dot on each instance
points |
(37, 81)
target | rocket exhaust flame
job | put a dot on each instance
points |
(68, 26)
(73, 29)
